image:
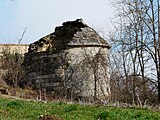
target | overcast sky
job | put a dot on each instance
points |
(40, 17)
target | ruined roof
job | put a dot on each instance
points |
(70, 34)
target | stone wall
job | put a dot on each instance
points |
(88, 65)
(13, 48)
(68, 71)
(70, 62)
(46, 70)
(20, 48)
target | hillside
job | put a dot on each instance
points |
(12, 109)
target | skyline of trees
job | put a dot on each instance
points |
(136, 42)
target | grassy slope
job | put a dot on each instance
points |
(25, 110)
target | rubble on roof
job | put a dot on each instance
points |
(71, 33)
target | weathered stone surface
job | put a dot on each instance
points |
(70, 62)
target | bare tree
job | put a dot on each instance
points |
(12, 65)
(137, 40)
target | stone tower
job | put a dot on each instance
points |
(72, 61)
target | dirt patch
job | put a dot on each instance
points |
(49, 117)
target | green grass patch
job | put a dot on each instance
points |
(24, 110)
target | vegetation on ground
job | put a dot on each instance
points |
(11, 109)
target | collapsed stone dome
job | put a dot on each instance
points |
(72, 62)
(70, 34)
